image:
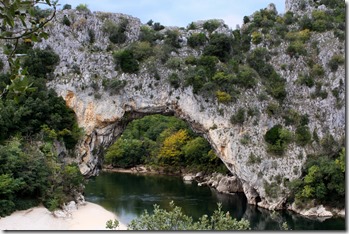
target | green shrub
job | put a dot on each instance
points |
(238, 117)
(223, 97)
(40, 63)
(296, 49)
(211, 25)
(271, 190)
(175, 220)
(256, 37)
(174, 80)
(172, 38)
(278, 139)
(252, 159)
(1, 65)
(220, 45)
(335, 61)
(113, 85)
(174, 63)
(197, 40)
(142, 50)
(158, 27)
(66, 21)
(66, 7)
(82, 7)
(115, 31)
(307, 80)
(148, 35)
(126, 60)
(273, 108)
(303, 135)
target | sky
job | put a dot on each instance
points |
(180, 12)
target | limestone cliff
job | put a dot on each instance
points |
(86, 63)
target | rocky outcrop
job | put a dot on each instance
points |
(222, 183)
(83, 65)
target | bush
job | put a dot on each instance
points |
(175, 220)
(148, 35)
(197, 40)
(335, 61)
(126, 60)
(142, 50)
(66, 7)
(303, 135)
(174, 80)
(239, 117)
(277, 139)
(172, 38)
(223, 97)
(113, 85)
(66, 21)
(82, 7)
(211, 25)
(40, 63)
(296, 49)
(220, 45)
(115, 31)
(256, 38)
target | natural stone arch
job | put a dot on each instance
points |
(105, 119)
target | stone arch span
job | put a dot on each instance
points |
(104, 120)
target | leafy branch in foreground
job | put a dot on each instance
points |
(174, 219)
(22, 20)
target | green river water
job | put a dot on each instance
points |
(128, 195)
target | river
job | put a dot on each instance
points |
(128, 195)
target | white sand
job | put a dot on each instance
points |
(88, 217)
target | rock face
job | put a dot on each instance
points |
(104, 116)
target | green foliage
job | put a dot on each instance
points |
(172, 38)
(335, 61)
(141, 50)
(296, 49)
(323, 180)
(256, 37)
(246, 77)
(66, 7)
(303, 135)
(113, 85)
(211, 25)
(164, 141)
(174, 80)
(278, 138)
(175, 220)
(148, 34)
(66, 21)
(112, 224)
(32, 174)
(252, 159)
(223, 97)
(126, 60)
(197, 40)
(39, 63)
(82, 7)
(220, 45)
(271, 189)
(115, 31)
(238, 117)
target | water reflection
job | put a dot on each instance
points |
(128, 195)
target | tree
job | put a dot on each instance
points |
(31, 27)
(175, 220)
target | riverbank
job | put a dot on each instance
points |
(89, 216)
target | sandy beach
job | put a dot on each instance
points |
(87, 217)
